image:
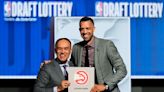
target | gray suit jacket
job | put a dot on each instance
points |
(106, 59)
(49, 76)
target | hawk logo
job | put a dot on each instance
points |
(7, 9)
(81, 77)
(99, 9)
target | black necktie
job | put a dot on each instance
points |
(86, 57)
(66, 73)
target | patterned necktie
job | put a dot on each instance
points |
(66, 73)
(86, 57)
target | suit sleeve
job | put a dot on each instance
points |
(43, 81)
(117, 63)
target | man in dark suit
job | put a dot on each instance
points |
(101, 54)
(52, 77)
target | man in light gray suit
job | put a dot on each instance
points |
(101, 54)
(52, 76)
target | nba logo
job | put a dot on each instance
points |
(7, 9)
(99, 9)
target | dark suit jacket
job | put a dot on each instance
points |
(106, 59)
(50, 75)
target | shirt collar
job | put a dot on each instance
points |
(66, 64)
(92, 44)
(61, 64)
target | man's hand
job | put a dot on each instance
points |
(98, 88)
(64, 84)
(45, 62)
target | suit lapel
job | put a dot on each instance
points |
(58, 70)
(96, 56)
(80, 55)
(97, 61)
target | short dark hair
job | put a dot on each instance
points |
(86, 18)
(62, 39)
